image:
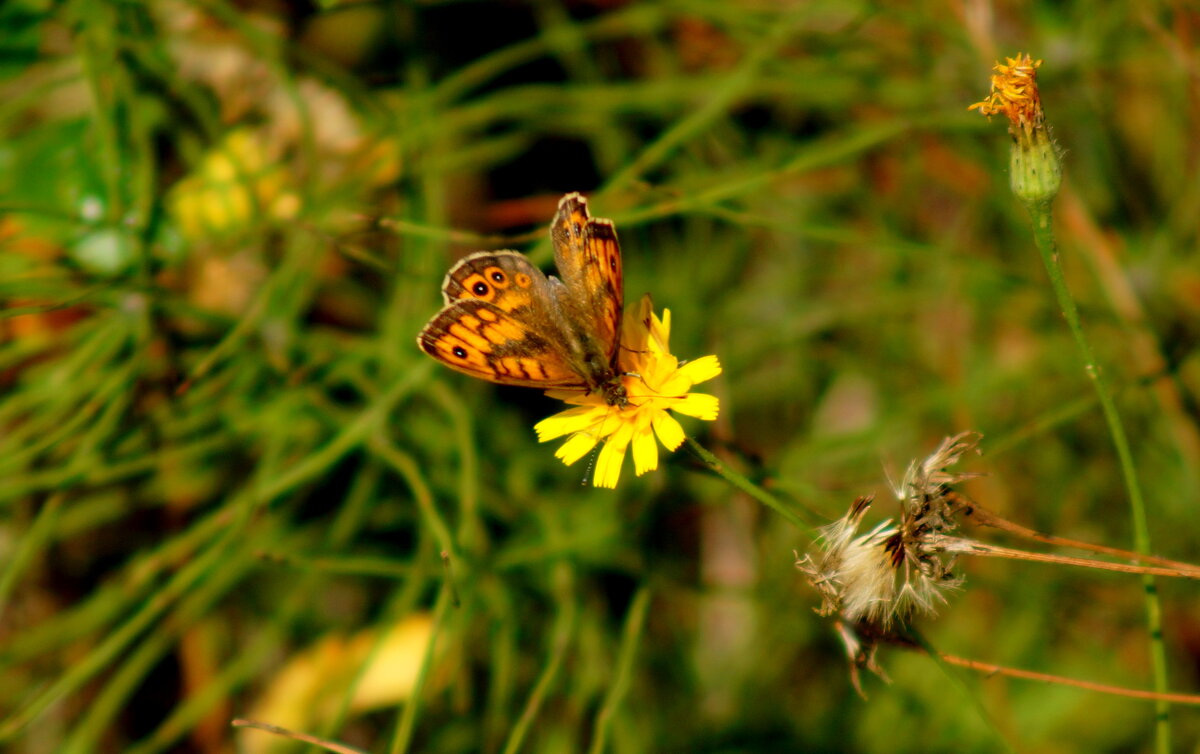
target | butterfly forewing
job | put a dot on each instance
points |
(589, 259)
(506, 322)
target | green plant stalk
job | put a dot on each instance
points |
(632, 20)
(724, 96)
(131, 671)
(239, 668)
(471, 531)
(118, 639)
(30, 546)
(235, 672)
(502, 661)
(565, 625)
(97, 58)
(408, 717)
(1043, 234)
(745, 485)
(408, 468)
(635, 622)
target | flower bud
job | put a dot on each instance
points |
(1035, 167)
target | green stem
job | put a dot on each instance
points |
(565, 625)
(745, 485)
(408, 718)
(723, 97)
(1043, 235)
(635, 622)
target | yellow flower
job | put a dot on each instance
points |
(655, 382)
(230, 188)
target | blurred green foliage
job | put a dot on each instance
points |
(223, 226)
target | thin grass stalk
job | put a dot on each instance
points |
(351, 437)
(981, 549)
(408, 718)
(327, 745)
(182, 582)
(131, 672)
(39, 535)
(249, 659)
(406, 466)
(965, 689)
(503, 654)
(717, 104)
(471, 531)
(565, 625)
(631, 634)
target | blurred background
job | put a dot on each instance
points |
(228, 476)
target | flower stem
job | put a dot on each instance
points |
(989, 669)
(981, 516)
(745, 485)
(1043, 235)
(982, 549)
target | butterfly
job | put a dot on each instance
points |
(506, 322)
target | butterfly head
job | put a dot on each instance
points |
(615, 394)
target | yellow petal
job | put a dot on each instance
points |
(699, 405)
(661, 328)
(670, 434)
(612, 455)
(608, 466)
(673, 387)
(645, 452)
(701, 369)
(635, 330)
(566, 422)
(576, 447)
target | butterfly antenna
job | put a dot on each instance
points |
(595, 452)
(653, 391)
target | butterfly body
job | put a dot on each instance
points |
(506, 322)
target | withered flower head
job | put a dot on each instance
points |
(1036, 171)
(895, 569)
(1015, 93)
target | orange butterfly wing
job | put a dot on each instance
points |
(506, 278)
(478, 338)
(506, 322)
(589, 259)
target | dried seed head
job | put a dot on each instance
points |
(896, 569)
